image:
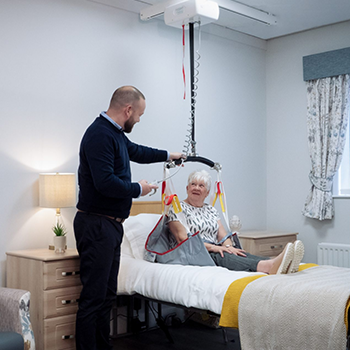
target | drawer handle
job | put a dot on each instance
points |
(65, 337)
(72, 273)
(73, 301)
(276, 246)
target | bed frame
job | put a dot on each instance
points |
(150, 207)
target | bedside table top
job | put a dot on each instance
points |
(255, 234)
(45, 254)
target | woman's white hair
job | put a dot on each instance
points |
(200, 175)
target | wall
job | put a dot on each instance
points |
(288, 162)
(60, 62)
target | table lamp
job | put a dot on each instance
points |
(57, 190)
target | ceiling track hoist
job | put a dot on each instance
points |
(185, 14)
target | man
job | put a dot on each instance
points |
(105, 197)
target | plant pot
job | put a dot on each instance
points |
(60, 243)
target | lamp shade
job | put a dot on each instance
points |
(57, 190)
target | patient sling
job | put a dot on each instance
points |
(191, 251)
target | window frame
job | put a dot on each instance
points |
(342, 176)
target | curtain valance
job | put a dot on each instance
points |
(326, 64)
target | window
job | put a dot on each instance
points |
(341, 182)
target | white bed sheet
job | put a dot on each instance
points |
(191, 286)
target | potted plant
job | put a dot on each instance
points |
(60, 238)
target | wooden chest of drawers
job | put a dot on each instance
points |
(54, 283)
(265, 243)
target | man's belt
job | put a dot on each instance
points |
(120, 220)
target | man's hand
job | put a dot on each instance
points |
(176, 155)
(147, 187)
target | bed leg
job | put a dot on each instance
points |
(224, 333)
(159, 310)
(147, 313)
(162, 325)
(130, 314)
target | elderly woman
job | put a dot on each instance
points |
(205, 219)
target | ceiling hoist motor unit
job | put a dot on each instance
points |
(195, 11)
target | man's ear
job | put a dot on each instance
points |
(127, 111)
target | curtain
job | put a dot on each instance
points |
(327, 117)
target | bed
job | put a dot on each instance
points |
(237, 296)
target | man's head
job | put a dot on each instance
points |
(126, 107)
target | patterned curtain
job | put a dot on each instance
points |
(327, 119)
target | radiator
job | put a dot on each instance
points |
(333, 254)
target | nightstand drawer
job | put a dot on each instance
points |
(63, 273)
(265, 243)
(272, 246)
(60, 333)
(60, 302)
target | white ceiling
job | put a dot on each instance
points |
(292, 15)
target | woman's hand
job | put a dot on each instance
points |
(221, 249)
(236, 251)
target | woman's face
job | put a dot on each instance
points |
(197, 191)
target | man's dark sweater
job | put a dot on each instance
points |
(104, 174)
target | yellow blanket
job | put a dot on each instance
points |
(229, 313)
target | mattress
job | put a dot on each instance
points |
(190, 286)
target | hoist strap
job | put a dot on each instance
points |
(163, 205)
(219, 192)
(227, 236)
(174, 201)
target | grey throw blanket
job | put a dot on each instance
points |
(303, 311)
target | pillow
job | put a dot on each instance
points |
(125, 248)
(136, 230)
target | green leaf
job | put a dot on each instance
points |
(59, 229)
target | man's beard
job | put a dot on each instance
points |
(128, 126)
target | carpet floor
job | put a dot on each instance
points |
(188, 336)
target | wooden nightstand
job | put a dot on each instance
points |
(54, 283)
(265, 243)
